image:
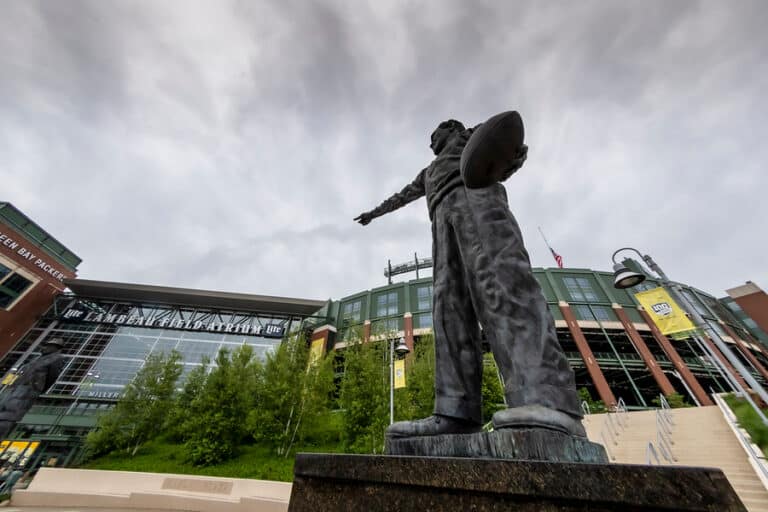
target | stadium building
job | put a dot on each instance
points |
(749, 303)
(109, 329)
(613, 346)
(33, 266)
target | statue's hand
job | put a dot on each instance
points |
(517, 163)
(364, 218)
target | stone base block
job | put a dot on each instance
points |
(516, 444)
(372, 483)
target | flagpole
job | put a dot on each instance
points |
(545, 239)
(558, 258)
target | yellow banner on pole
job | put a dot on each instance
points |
(399, 373)
(664, 311)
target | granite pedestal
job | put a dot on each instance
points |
(517, 444)
(393, 483)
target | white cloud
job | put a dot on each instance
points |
(228, 146)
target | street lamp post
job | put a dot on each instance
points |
(625, 278)
(401, 349)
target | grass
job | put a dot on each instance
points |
(749, 421)
(159, 456)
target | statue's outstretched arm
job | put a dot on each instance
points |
(410, 193)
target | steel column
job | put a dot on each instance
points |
(685, 373)
(650, 361)
(598, 379)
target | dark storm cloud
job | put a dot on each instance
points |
(228, 146)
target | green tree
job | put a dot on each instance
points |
(364, 398)
(216, 423)
(292, 396)
(143, 407)
(492, 391)
(177, 418)
(418, 399)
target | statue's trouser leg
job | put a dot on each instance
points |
(508, 300)
(458, 355)
(5, 428)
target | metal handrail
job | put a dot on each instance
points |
(758, 459)
(611, 426)
(606, 445)
(664, 425)
(651, 451)
(615, 422)
(666, 449)
(622, 413)
(666, 409)
(663, 440)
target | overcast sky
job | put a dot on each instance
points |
(228, 145)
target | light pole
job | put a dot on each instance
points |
(401, 349)
(625, 278)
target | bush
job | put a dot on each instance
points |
(750, 421)
(595, 406)
(675, 401)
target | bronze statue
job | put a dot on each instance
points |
(33, 380)
(482, 275)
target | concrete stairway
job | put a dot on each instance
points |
(701, 437)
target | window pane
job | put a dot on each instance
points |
(424, 320)
(602, 313)
(351, 311)
(573, 289)
(17, 283)
(4, 271)
(583, 312)
(424, 295)
(5, 299)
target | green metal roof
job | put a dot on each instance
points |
(38, 235)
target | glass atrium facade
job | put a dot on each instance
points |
(104, 351)
(106, 341)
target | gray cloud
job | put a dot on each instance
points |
(228, 145)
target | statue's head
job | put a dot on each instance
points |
(52, 345)
(443, 132)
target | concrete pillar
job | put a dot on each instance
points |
(650, 361)
(677, 361)
(598, 379)
(367, 331)
(745, 350)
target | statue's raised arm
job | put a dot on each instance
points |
(410, 193)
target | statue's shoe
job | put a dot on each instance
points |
(433, 426)
(538, 416)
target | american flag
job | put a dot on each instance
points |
(558, 258)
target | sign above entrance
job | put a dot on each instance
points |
(267, 330)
